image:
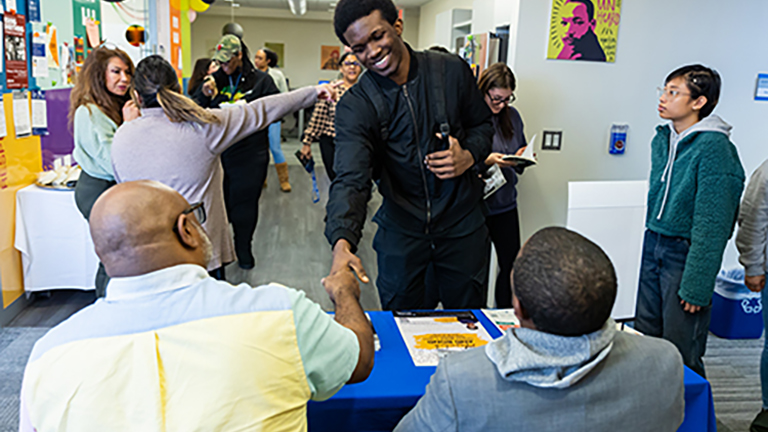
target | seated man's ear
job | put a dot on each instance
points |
(187, 234)
(520, 311)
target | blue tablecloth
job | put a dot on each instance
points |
(395, 385)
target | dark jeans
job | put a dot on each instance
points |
(327, 150)
(460, 269)
(658, 311)
(245, 169)
(87, 191)
(504, 229)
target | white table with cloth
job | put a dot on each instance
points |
(54, 241)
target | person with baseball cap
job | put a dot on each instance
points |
(245, 163)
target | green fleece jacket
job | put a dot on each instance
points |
(694, 191)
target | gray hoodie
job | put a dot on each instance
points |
(549, 361)
(712, 123)
(752, 237)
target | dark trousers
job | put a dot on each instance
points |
(245, 169)
(460, 269)
(87, 191)
(658, 311)
(504, 229)
(327, 150)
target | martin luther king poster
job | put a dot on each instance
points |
(584, 30)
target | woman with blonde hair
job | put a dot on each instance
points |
(497, 84)
(99, 104)
(178, 143)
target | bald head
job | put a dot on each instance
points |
(132, 226)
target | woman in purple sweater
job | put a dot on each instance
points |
(497, 83)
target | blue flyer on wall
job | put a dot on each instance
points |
(33, 10)
(39, 113)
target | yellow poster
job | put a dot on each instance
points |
(584, 30)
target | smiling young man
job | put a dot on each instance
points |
(387, 130)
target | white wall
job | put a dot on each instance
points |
(302, 39)
(429, 12)
(583, 98)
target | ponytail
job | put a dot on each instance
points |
(179, 108)
(157, 85)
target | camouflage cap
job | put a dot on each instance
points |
(228, 46)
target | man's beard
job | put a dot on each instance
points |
(207, 245)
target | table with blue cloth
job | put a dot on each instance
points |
(395, 385)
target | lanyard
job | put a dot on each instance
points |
(233, 86)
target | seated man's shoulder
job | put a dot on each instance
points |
(647, 352)
(469, 368)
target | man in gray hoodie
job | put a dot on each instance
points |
(567, 367)
(752, 240)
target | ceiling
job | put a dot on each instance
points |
(312, 5)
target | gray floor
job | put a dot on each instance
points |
(290, 248)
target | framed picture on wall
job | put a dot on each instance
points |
(584, 30)
(279, 49)
(329, 57)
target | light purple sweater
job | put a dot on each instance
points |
(185, 156)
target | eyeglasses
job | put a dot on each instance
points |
(502, 101)
(198, 209)
(349, 63)
(670, 94)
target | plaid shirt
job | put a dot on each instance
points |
(322, 119)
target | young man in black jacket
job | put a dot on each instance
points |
(388, 128)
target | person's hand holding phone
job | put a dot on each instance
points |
(451, 163)
(306, 151)
(209, 87)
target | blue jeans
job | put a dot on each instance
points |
(658, 311)
(274, 142)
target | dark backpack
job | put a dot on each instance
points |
(436, 69)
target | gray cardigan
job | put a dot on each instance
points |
(637, 387)
(752, 237)
(185, 156)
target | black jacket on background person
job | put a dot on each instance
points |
(253, 84)
(416, 202)
(245, 163)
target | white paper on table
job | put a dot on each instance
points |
(21, 121)
(3, 129)
(39, 114)
(503, 319)
(432, 335)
